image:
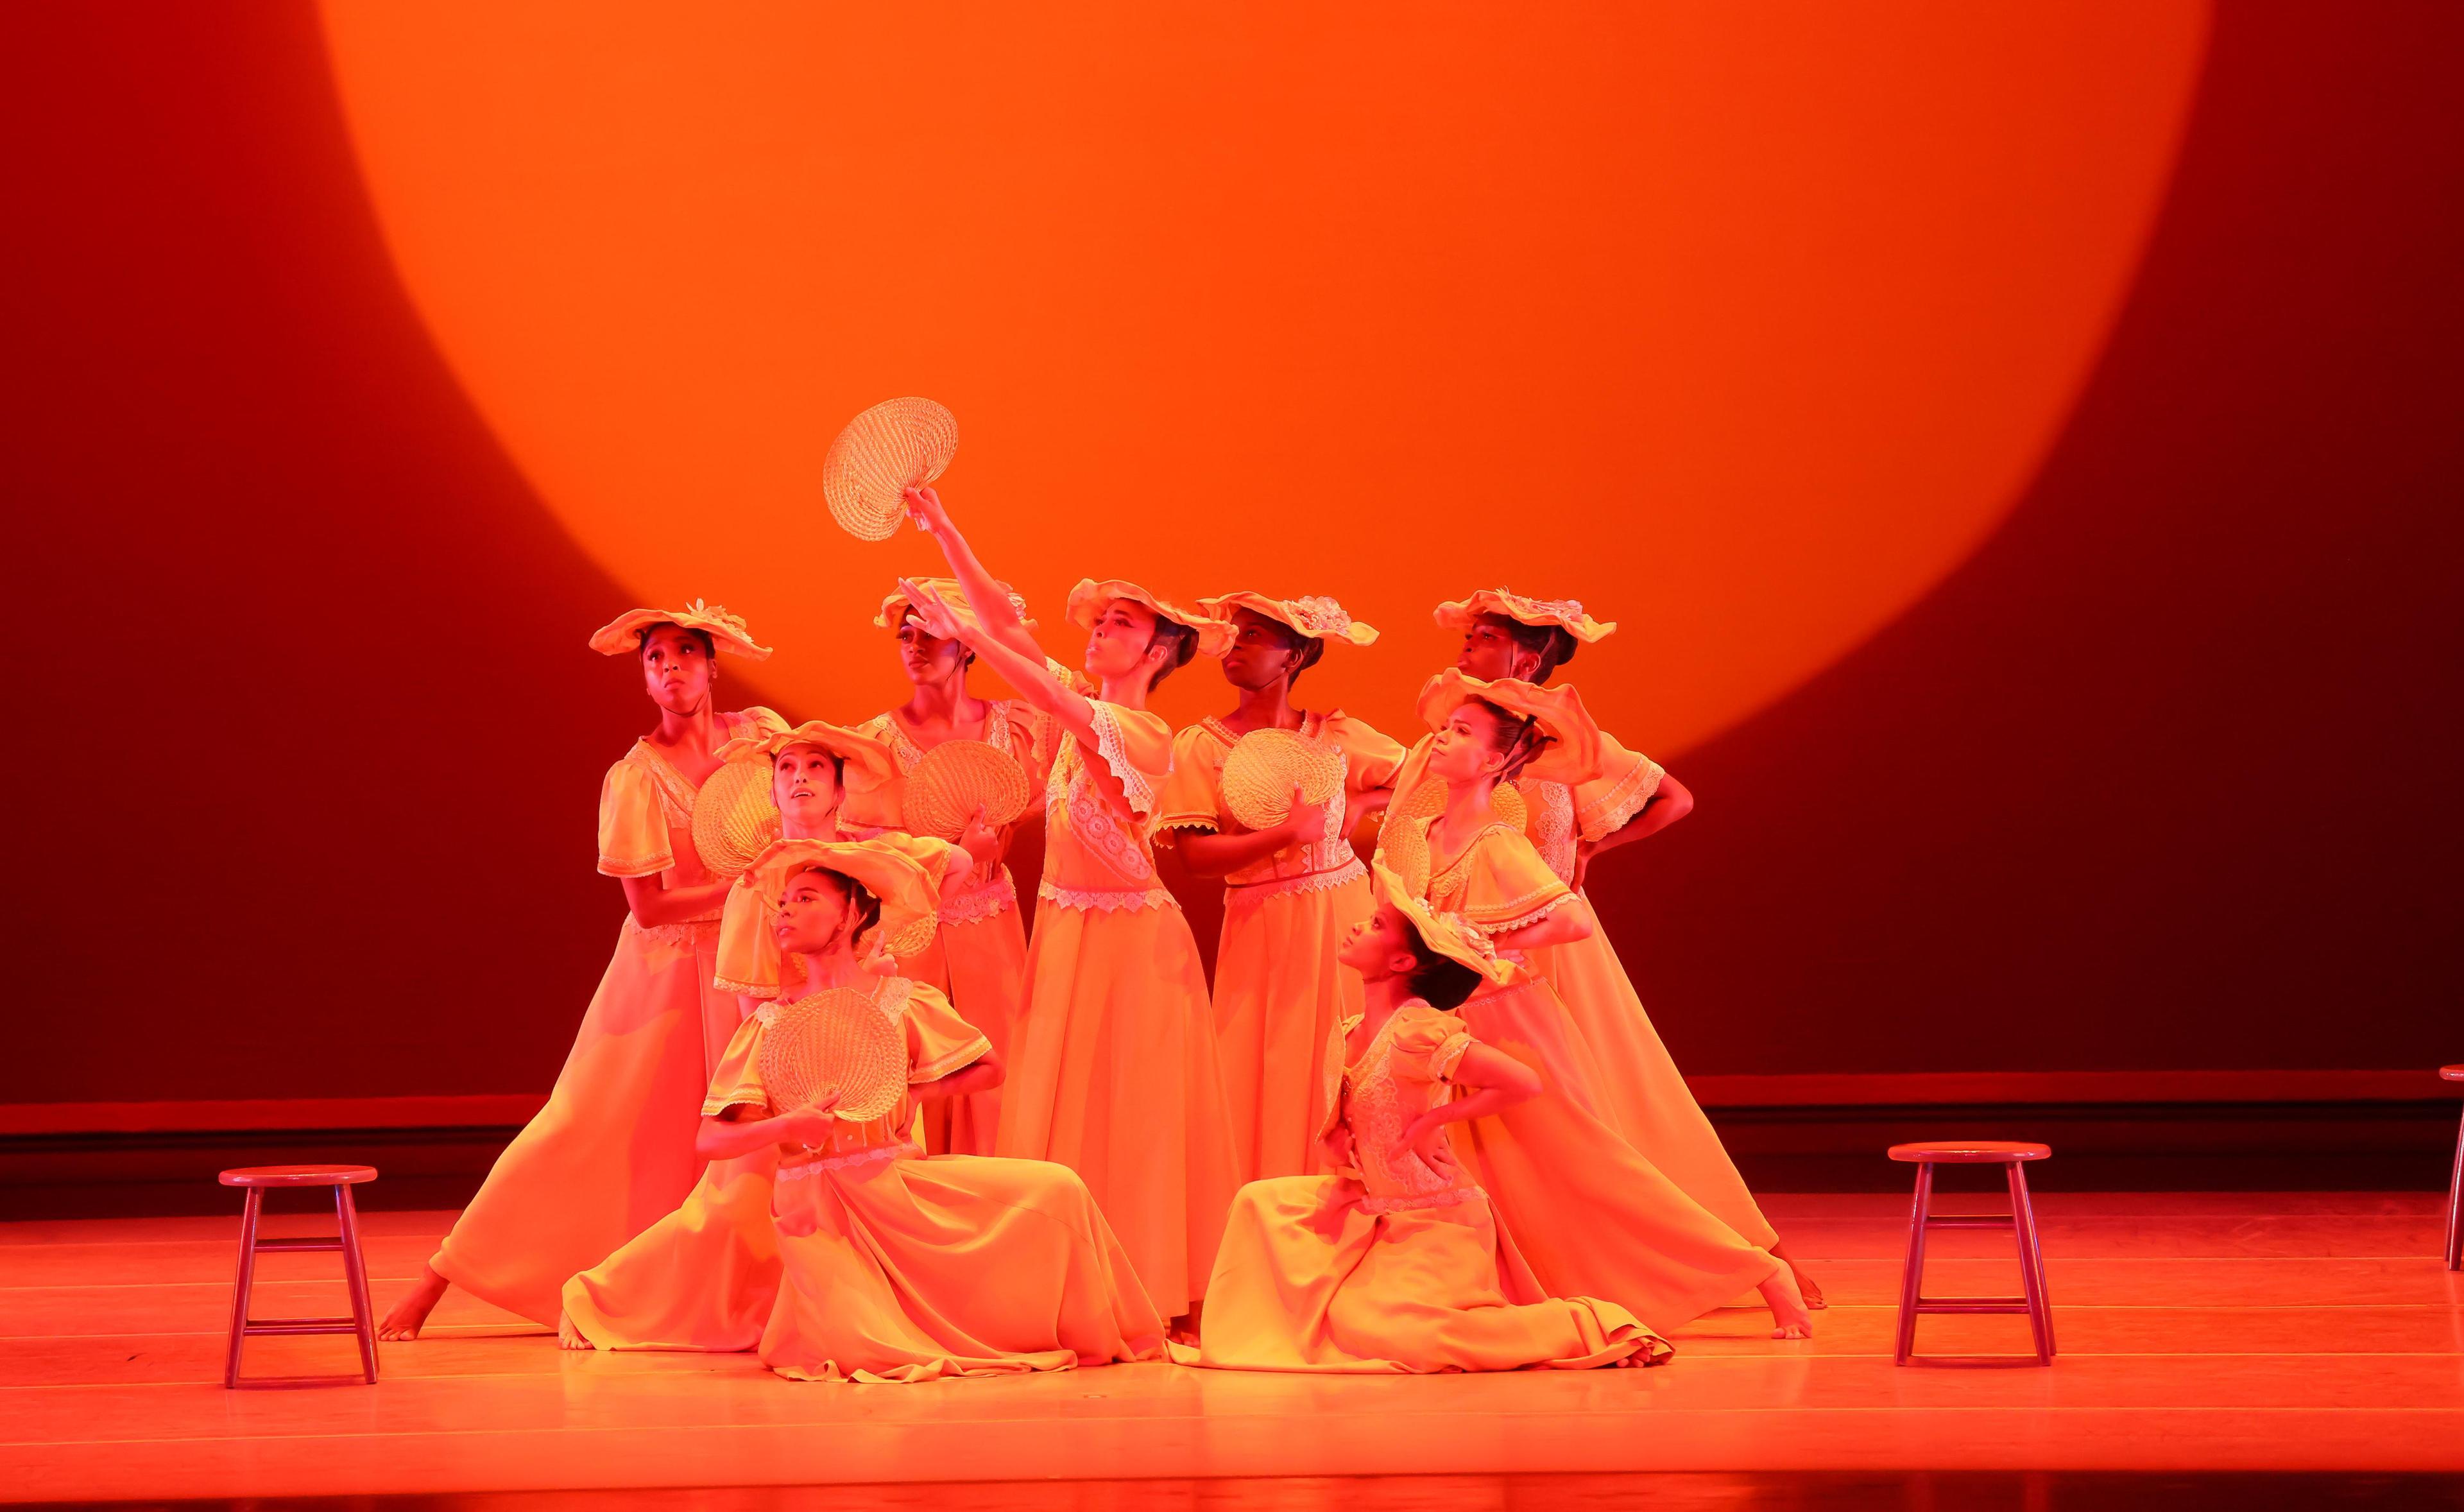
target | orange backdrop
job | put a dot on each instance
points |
(2018, 446)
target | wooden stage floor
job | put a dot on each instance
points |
(2200, 1333)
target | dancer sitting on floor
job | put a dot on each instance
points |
(1395, 1263)
(612, 1152)
(896, 1266)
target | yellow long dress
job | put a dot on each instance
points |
(919, 1267)
(1114, 1072)
(1279, 995)
(612, 1152)
(978, 954)
(1592, 1215)
(1398, 1266)
(1641, 1089)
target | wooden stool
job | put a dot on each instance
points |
(2021, 1221)
(2456, 1187)
(363, 1320)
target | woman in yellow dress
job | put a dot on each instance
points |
(1292, 891)
(1115, 1073)
(1395, 1262)
(706, 1276)
(1629, 798)
(979, 955)
(1593, 1215)
(896, 1266)
(612, 1152)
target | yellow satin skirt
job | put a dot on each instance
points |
(1281, 998)
(1586, 1209)
(916, 1269)
(1113, 1072)
(1309, 1280)
(1640, 1092)
(612, 1153)
(705, 1277)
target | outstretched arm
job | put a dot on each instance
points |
(1024, 671)
(992, 606)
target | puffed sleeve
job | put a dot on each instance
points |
(1135, 746)
(1373, 759)
(737, 1081)
(1428, 1044)
(939, 1042)
(748, 952)
(632, 831)
(1193, 787)
(756, 720)
(1627, 780)
(1506, 885)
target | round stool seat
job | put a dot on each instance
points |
(1971, 1151)
(2452, 1072)
(299, 1175)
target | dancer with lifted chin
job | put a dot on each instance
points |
(1593, 1215)
(1291, 891)
(1395, 1262)
(1630, 798)
(612, 1152)
(1113, 1071)
(894, 1266)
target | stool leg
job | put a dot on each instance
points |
(354, 1269)
(2455, 1207)
(2032, 1263)
(1911, 1280)
(245, 1283)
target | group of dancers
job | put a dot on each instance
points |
(1419, 1123)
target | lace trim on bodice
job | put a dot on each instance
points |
(1380, 1105)
(976, 904)
(682, 935)
(997, 734)
(1551, 827)
(1314, 882)
(1106, 899)
(800, 1170)
(1092, 819)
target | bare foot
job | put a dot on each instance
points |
(1183, 1329)
(568, 1336)
(1805, 1283)
(406, 1317)
(1787, 1305)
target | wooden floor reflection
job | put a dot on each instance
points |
(2200, 1333)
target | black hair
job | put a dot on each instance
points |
(1184, 646)
(1439, 980)
(1552, 644)
(861, 902)
(642, 638)
(1518, 739)
(1306, 649)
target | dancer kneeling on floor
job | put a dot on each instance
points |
(895, 1267)
(1396, 1263)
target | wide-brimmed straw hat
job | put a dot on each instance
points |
(1565, 613)
(893, 609)
(1088, 600)
(1318, 616)
(1572, 753)
(622, 636)
(1450, 935)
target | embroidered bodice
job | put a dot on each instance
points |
(1096, 848)
(1009, 727)
(1406, 1068)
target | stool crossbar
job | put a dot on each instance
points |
(255, 1180)
(2020, 1222)
(2455, 1185)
